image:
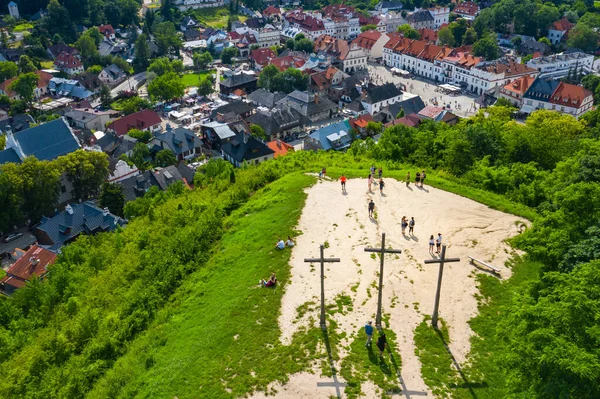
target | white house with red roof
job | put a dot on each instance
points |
(146, 120)
(311, 26)
(68, 63)
(31, 264)
(262, 57)
(572, 99)
(467, 9)
(559, 30)
(39, 91)
(107, 31)
(273, 13)
(372, 43)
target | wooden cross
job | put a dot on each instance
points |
(441, 261)
(322, 259)
(382, 251)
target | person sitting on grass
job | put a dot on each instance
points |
(289, 242)
(280, 244)
(269, 283)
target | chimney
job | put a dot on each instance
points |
(105, 212)
(69, 209)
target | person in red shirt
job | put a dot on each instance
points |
(343, 180)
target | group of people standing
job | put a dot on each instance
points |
(419, 179)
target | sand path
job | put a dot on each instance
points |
(341, 220)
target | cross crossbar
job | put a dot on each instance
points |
(447, 260)
(387, 251)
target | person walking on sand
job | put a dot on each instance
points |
(370, 181)
(404, 224)
(407, 179)
(343, 180)
(380, 172)
(381, 344)
(417, 179)
(431, 243)
(381, 185)
(373, 170)
(371, 208)
(369, 333)
(411, 226)
(438, 243)
(423, 176)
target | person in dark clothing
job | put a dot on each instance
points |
(380, 173)
(381, 185)
(381, 344)
(371, 208)
(423, 176)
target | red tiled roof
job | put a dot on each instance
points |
(562, 24)
(271, 10)
(411, 120)
(106, 30)
(361, 122)
(415, 48)
(428, 34)
(520, 86)
(33, 263)
(338, 48)
(289, 61)
(431, 111)
(305, 21)
(367, 39)
(569, 95)
(281, 148)
(43, 81)
(262, 55)
(430, 52)
(140, 120)
(467, 8)
(234, 35)
(65, 60)
(510, 68)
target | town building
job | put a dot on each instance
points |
(392, 21)
(558, 96)
(261, 57)
(184, 5)
(372, 43)
(68, 63)
(68, 88)
(277, 122)
(107, 31)
(146, 120)
(90, 120)
(112, 75)
(559, 30)
(268, 36)
(467, 10)
(240, 81)
(560, 65)
(489, 76)
(32, 264)
(374, 98)
(245, 149)
(515, 90)
(66, 226)
(312, 107)
(311, 26)
(280, 148)
(182, 142)
(136, 186)
(421, 19)
(13, 10)
(335, 136)
(40, 90)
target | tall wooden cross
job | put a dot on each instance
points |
(322, 259)
(441, 261)
(381, 251)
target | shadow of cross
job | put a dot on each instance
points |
(405, 392)
(336, 383)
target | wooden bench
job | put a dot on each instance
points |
(492, 268)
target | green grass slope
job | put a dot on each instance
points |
(220, 336)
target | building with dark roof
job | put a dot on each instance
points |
(54, 50)
(45, 142)
(32, 264)
(421, 19)
(311, 106)
(182, 142)
(162, 178)
(246, 149)
(335, 136)
(16, 123)
(374, 98)
(277, 122)
(264, 98)
(242, 81)
(76, 219)
(241, 108)
(558, 96)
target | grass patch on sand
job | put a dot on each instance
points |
(482, 376)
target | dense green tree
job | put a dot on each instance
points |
(160, 66)
(142, 53)
(365, 28)
(583, 37)
(87, 48)
(26, 65)
(105, 96)
(409, 32)
(40, 187)
(228, 54)
(112, 197)
(129, 11)
(134, 104)
(24, 86)
(140, 155)
(59, 21)
(94, 69)
(258, 132)
(289, 43)
(202, 60)
(113, 13)
(446, 37)
(487, 47)
(289, 80)
(95, 34)
(164, 158)
(205, 87)
(8, 70)
(143, 136)
(86, 170)
(166, 87)
(267, 77)
(305, 45)
(458, 29)
(166, 37)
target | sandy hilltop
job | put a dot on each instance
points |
(341, 220)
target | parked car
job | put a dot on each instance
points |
(13, 237)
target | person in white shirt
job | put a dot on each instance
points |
(280, 244)
(289, 242)
(438, 243)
